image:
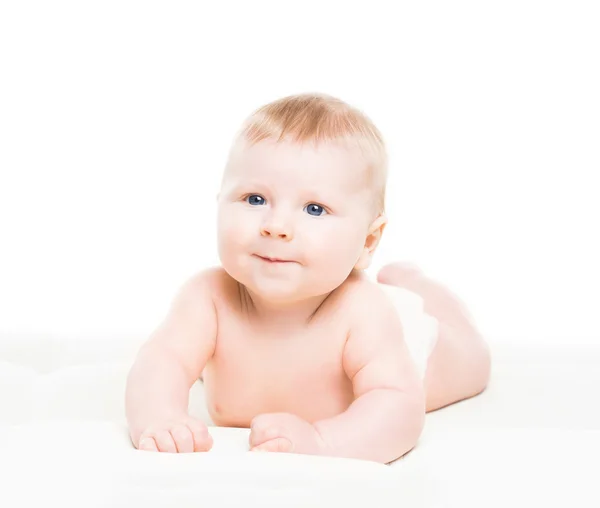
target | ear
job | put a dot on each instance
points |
(371, 242)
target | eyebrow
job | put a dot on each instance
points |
(249, 185)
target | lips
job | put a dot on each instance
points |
(270, 259)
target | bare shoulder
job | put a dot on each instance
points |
(188, 331)
(367, 303)
(375, 354)
(212, 284)
(205, 280)
(224, 290)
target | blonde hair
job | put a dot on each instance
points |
(316, 117)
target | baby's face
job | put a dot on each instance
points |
(292, 219)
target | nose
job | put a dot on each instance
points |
(276, 227)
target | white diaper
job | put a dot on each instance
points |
(420, 329)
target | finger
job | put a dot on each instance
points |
(256, 430)
(202, 439)
(260, 434)
(164, 441)
(182, 436)
(147, 444)
(263, 428)
(277, 445)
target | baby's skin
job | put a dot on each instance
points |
(342, 384)
(291, 338)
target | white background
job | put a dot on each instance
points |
(115, 119)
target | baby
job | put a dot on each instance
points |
(290, 336)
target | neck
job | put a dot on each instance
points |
(277, 313)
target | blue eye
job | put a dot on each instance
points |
(255, 199)
(315, 210)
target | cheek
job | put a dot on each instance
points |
(236, 237)
(232, 226)
(336, 248)
(229, 234)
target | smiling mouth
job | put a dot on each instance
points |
(274, 260)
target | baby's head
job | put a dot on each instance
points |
(304, 185)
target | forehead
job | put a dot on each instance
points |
(331, 165)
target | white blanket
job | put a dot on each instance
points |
(532, 437)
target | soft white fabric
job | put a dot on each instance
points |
(420, 330)
(534, 435)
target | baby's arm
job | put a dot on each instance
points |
(166, 367)
(388, 414)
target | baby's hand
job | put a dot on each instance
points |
(285, 432)
(179, 435)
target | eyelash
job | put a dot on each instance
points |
(325, 209)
